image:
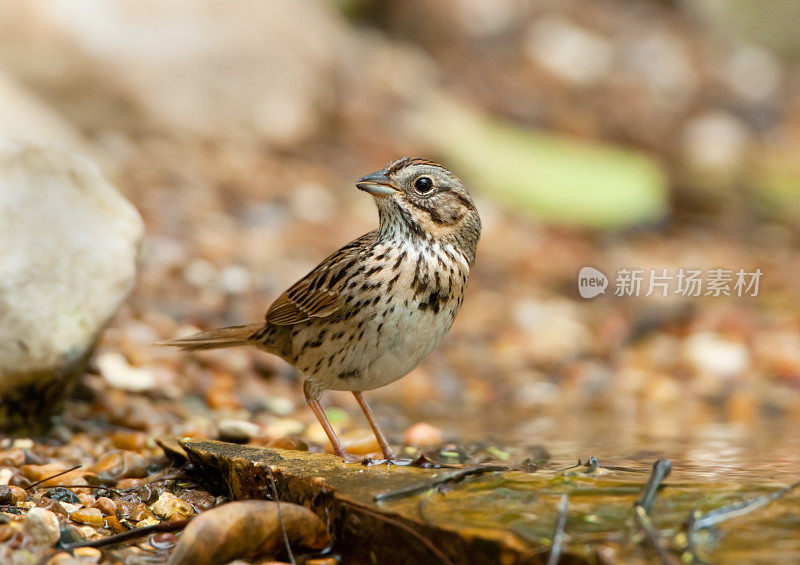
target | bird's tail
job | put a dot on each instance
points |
(232, 336)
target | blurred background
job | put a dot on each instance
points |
(618, 135)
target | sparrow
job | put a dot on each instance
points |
(373, 310)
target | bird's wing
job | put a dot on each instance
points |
(318, 294)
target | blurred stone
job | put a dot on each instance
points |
(164, 540)
(358, 442)
(423, 435)
(237, 431)
(12, 458)
(570, 52)
(120, 374)
(213, 68)
(715, 141)
(59, 289)
(43, 526)
(5, 495)
(120, 465)
(709, 353)
(288, 443)
(170, 507)
(128, 440)
(753, 73)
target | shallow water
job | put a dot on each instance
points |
(716, 461)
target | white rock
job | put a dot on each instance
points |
(42, 525)
(120, 374)
(68, 246)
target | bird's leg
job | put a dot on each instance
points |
(387, 451)
(316, 408)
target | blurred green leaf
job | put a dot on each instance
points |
(556, 178)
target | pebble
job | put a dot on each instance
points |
(18, 494)
(63, 559)
(423, 435)
(322, 561)
(42, 526)
(5, 475)
(164, 540)
(86, 499)
(199, 499)
(6, 532)
(90, 516)
(90, 554)
(61, 494)
(170, 507)
(151, 521)
(106, 506)
(5, 494)
(122, 375)
(126, 484)
(237, 431)
(70, 507)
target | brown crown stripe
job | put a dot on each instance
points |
(401, 164)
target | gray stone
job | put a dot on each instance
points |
(68, 246)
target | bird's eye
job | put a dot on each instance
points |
(423, 185)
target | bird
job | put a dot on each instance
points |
(373, 310)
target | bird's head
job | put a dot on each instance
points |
(420, 198)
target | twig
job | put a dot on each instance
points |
(661, 469)
(451, 477)
(643, 520)
(738, 508)
(593, 464)
(53, 477)
(558, 534)
(112, 490)
(172, 526)
(641, 508)
(698, 521)
(409, 530)
(280, 515)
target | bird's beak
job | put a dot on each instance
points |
(377, 184)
